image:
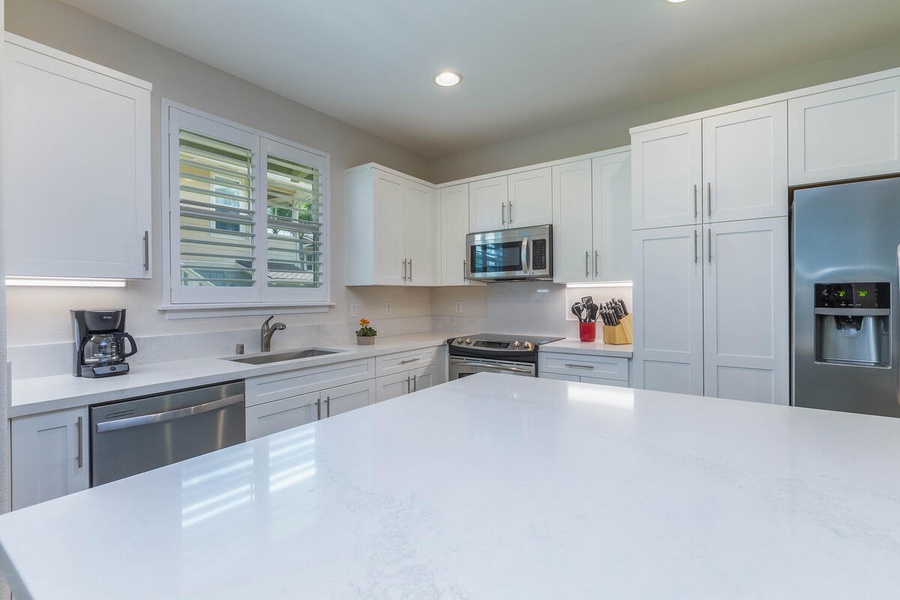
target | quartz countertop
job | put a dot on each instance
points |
(575, 345)
(494, 487)
(58, 392)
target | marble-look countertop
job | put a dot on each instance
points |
(57, 392)
(494, 487)
(576, 346)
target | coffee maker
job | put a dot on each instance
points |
(100, 342)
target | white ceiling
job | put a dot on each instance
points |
(527, 65)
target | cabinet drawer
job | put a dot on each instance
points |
(268, 388)
(404, 361)
(583, 365)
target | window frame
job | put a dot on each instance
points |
(178, 297)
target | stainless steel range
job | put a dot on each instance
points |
(495, 353)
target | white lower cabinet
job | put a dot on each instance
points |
(405, 372)
(711, 310)
(586, 368)
(272, 417)
(345, 398)
(49, 455)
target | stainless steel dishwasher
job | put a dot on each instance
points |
(138, 435)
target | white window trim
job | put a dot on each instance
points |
(171, 258)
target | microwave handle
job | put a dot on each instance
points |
(526, 246)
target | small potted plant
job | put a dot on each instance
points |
(366, 333)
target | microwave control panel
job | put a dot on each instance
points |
(539, 254)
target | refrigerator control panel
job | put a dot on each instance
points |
(853, 295)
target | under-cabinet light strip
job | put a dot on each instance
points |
(63, 282)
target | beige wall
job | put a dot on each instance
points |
(612, 130)
(39, 316)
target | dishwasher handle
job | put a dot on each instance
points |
(170, 415)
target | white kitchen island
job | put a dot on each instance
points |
(494, 487)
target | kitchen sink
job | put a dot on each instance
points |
(272, 357)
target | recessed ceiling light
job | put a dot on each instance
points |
(447, 79)
(675, 1)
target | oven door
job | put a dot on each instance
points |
(465, 366)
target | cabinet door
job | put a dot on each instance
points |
(349, 397)
(746, 323)
(668, 309)
(530, 200)
(419, 233)
(745, 164)
(49, 456)
(391, 386)
(77, 168)
(612, 217)
(425, 377)
(666, 176)
(454, 225)
(572, 223)
(389, 252)
(845, 133)
(487, 204)
(272, 417)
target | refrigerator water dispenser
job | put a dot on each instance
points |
(853, 324)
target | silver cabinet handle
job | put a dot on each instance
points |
(410, 269)
(577, 366)
(146, 250)
(709, 245)
(327, 406)
(79, 427)
(696, 210)
(409, 360)
(464, 270)
(318, 409)
(415, 383)
(503, 213)
(708, 199)
(596, 260)
(404, 269)
(586, 256)
(408, 389)
(510, 212)
(169, 415)
(695, 247)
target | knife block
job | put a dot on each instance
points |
(621, 333)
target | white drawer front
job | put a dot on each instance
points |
(583, 365)
(404, 361)
(272, 417)
(268, 388)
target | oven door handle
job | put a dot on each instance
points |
(490, 366)
(169, 415)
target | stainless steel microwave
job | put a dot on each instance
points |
(523, 253)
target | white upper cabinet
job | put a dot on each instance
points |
(592, 219)
(722, 168)
(391, 228)
(453, 208)
(666, 176)
(517, 200)
(76, 154)
(844, 133)
(745, 164)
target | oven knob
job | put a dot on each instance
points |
(468, 340)
(459, 340)
(516, 344)
(529, 346)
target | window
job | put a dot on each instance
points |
(248, 215)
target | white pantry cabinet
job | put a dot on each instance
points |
(76, 154)
(726, 167)
(592, 219)
(713, 305)
(845, 133)
(517, 200)
(49, 456)
(391, 228)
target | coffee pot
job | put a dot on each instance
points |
(100, 342)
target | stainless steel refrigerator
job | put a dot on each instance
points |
(845, 280)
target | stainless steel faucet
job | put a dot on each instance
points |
(266, 333)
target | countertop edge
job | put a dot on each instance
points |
(576, 346)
